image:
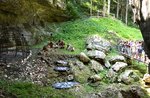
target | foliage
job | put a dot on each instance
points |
(139, 66)
(73, 10)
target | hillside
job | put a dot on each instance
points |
(75, 32)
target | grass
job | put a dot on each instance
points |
(76, 32)
(29, 90)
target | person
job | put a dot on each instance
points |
(133, 49)
(128, 45)
(140, 50)
(120, 46)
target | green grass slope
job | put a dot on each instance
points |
(75, 32)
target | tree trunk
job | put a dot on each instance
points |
(117, 14)
(91, 8)
(126, 18)
(108, 7)
(104, 8)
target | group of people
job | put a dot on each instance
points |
(134, 49)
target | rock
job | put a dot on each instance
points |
(80, 75)
(70, 77)
(95, 66)
(61, 68)
(107, 64)
(117, 58)
(128, 77)
(111, 73)
(70, 48)
(118, 66)
(8, 65)
(84, 58)
(96, 54)
(62, 85)
(97, 43)
(80, 65)
(94, 78)
(146, 78)
(124, 77)
(61, 62)
(120, 95)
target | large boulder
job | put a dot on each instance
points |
(80, 75)
(84, 58)
(118, 66)
(97, 43)
(95, 54)
(94, 78)
(95, 66)
(117, 58)
(128, 77)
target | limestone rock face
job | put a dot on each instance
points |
(29, 17)
(118, 66)
(98, 43)
(32, 11)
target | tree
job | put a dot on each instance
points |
(118, 4)
(104, 8)
(91, 7)
(126, 18)
(108, 7)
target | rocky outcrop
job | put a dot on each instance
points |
(97, 43)
(32, 12)
(118, 66)
(117, 58)
(29, 17)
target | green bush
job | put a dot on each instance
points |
(73, 10)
